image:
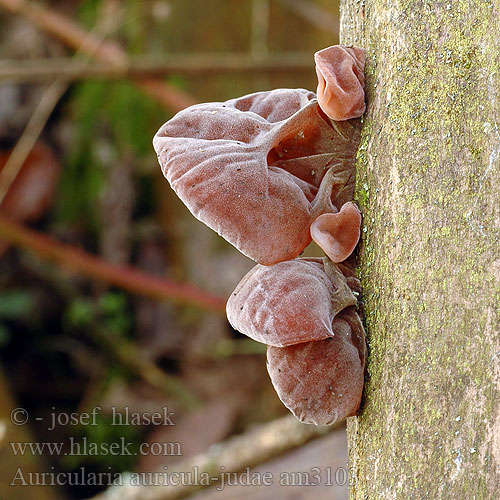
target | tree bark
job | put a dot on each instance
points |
(428, 183)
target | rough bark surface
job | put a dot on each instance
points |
(429, 188)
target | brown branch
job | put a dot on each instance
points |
(76, 37)
(246, 450)
(125, 277)
(69, 69)
(124, 351)
(66, 30)
(260, 27)
(40, 116)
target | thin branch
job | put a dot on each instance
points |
(69, 69)
(74, 36)
(129, 355)
(30, 135)
(66, 30)
(40, 116)
(125, 277)
(260, 27)
(315, 14)
(246, 450)
(124, 351)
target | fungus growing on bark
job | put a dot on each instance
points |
(304, 311)
(291, 302)
(338, 233)
(267, 171)
(341, 81)
(321, 382)
(251, 168)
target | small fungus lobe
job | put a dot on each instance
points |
(290, 302)
(341, 81)
(321, 382)
(338, 233)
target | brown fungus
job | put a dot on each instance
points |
(341, 81)
(266, 171)
(321, 382)
(252, 168)
(304, 311)
(288, 303)
(338, 233)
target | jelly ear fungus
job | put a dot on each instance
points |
(290, 302)
(251, 168)
(304, 310)
(321, 382)
(268, 172)
(338, 233)
(341, 81)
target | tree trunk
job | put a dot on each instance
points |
(428, 183)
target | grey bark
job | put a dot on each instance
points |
(428, 183)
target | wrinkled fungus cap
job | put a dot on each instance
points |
(338, 233)
(304, 310)
(291, 302)
(251, 168)
(321, 382)
(341, 81)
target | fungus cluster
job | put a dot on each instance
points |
(252, 168)
(269, 172)
(304, 310)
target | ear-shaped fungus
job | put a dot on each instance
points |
(341, 81)
(251, 168)
(288, 303)
(338, 233)
(304, 310)
(322, 382)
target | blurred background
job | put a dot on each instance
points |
(112, 295)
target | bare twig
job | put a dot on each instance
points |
(125, 277)
(69, 69)
(314, 14)
(260, 27)
(259, 34)
(66, 30)
(125, 352)
(74, 36)
(129, 355)
(30, 135)
(42, 113)
(254, 447)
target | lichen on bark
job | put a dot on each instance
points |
(428, 184)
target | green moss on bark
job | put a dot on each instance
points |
(428, 184)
